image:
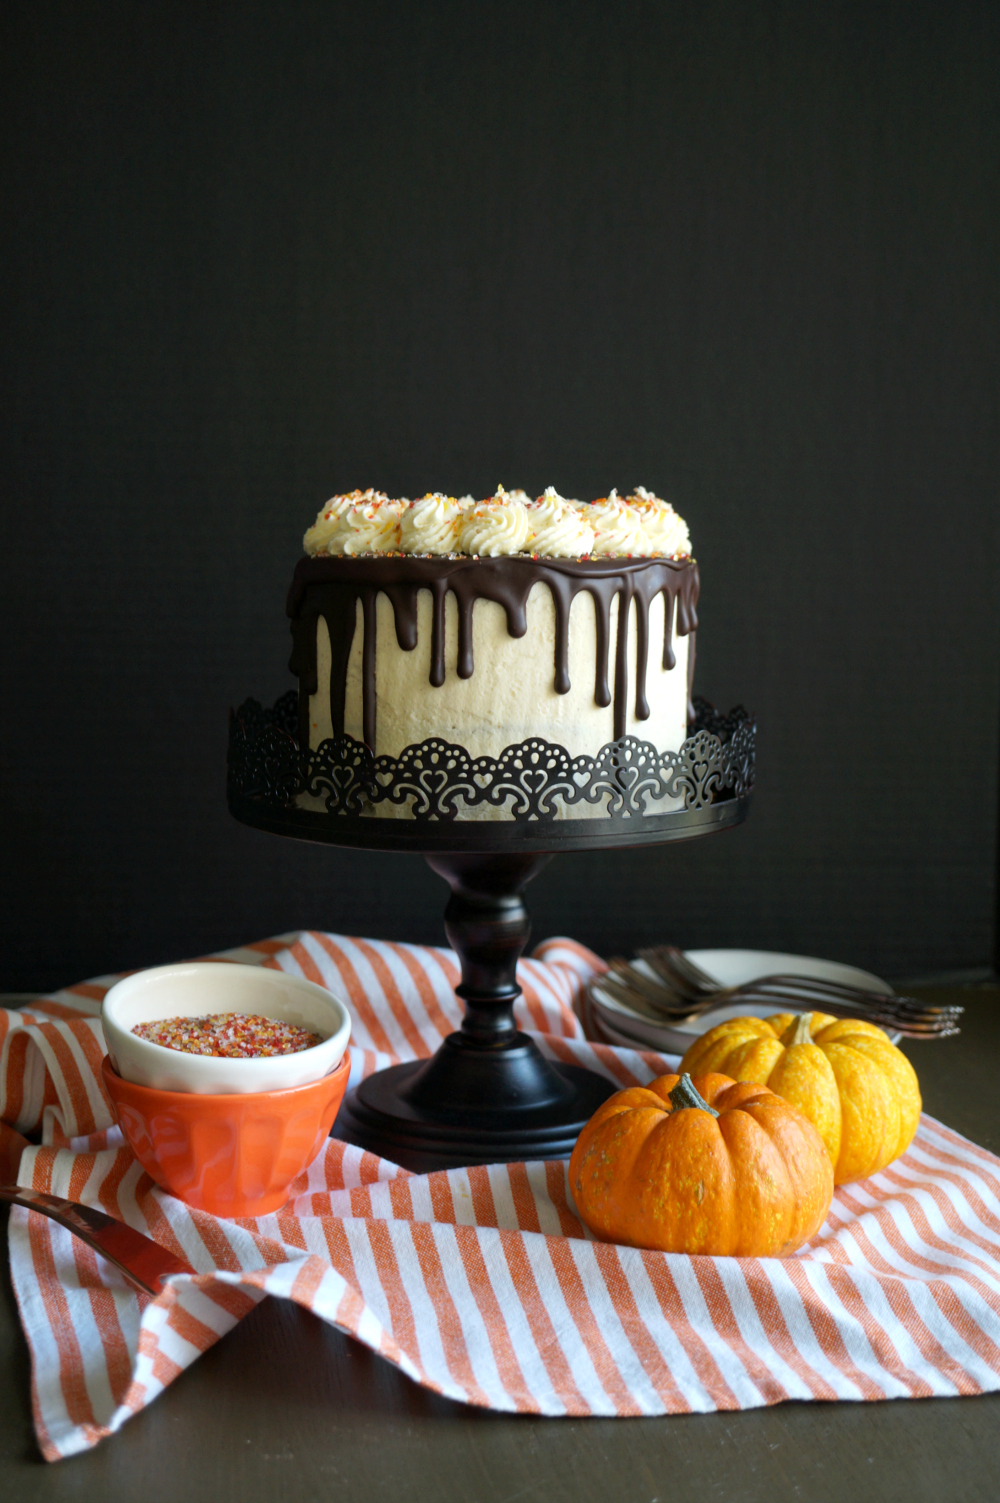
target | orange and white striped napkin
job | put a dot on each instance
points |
(482, 1283)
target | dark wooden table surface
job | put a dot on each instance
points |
(284, 1407)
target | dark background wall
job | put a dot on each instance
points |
(744, 254)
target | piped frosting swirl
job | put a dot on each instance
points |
(371, 527)
(559, 528)
(327, 524)
(617, 529)
(495, 528)
(666, 532)
(431, 525)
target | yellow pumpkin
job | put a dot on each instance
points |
(857, 1089)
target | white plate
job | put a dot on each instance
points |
(729, 968)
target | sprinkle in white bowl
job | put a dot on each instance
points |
(203, 988)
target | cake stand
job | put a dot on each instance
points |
(488, 1095)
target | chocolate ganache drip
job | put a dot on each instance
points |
(331, 588)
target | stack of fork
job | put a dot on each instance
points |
(680, 991)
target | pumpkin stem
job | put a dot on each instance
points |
(685, 1094)
(803, 1030)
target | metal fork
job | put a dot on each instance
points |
(681, 976)
(664, 1000)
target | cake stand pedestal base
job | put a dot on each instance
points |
(382, 1119)
(488, 1095)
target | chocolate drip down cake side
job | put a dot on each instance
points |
(487, 624)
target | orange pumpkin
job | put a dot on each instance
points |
(701, 1166)
(857, 1089)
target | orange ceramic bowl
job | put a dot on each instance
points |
(232, 1155)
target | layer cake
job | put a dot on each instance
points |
(484, 624)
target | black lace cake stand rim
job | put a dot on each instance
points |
(424, 837)
(710, 776)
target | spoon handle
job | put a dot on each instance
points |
(137, 1257)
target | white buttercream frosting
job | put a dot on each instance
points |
(371, 527)
(431, 524)
(327, 523)
(558, 529)
(617, 528)
(666, 531)
(638, 526)
(550, 493)
(495, 527)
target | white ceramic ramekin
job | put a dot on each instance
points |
(201, 987)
